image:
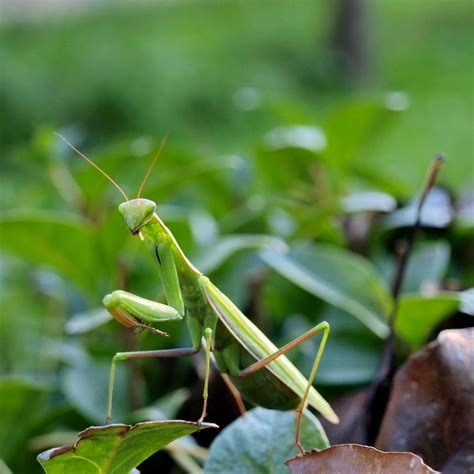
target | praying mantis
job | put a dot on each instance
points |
(255, 366)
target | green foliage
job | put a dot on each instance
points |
(340, 278)
(261, 441)
(353, 356)
(17, 397)
(54, 239)
(418, 315)
(228, 235)
(115, 448)
(428, 265)
(291, 189)
(77, 382)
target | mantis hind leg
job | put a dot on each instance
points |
(324, 326)
(235, 394)
(260, 364)
(160, 354)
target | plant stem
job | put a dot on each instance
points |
(379, 391)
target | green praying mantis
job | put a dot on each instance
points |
(255, 366)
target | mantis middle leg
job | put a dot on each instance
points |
(208, 337)
(160, 354)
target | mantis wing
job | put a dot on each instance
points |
(259, 346)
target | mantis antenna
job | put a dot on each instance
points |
(93, 164)
(150, 169)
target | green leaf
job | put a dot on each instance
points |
(228, 246)
(63, 242)
(306, 137)
(165, 407)
(368, 201)
(283, 159)
(352, 354)
(87, 321)
(261, 441)
(465, 213)
(467, 301)
(85, 387)
(115, 448)
(233, 278)
(20, 401)
(339, 277)
(437, 212)
(427, 264)
(4, 469)
(350, 126)
(418, 315)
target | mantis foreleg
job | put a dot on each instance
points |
(130, 310)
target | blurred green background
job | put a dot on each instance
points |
(279, 115)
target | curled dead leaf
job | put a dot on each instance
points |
(431, 407)
(357, 459)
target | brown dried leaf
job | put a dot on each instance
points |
(357, 459)
(431, 407)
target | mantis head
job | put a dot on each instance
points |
(137, 212)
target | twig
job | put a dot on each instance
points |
(408, 247)
(378, 393)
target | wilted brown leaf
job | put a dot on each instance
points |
(431, 407)
(357, 459)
